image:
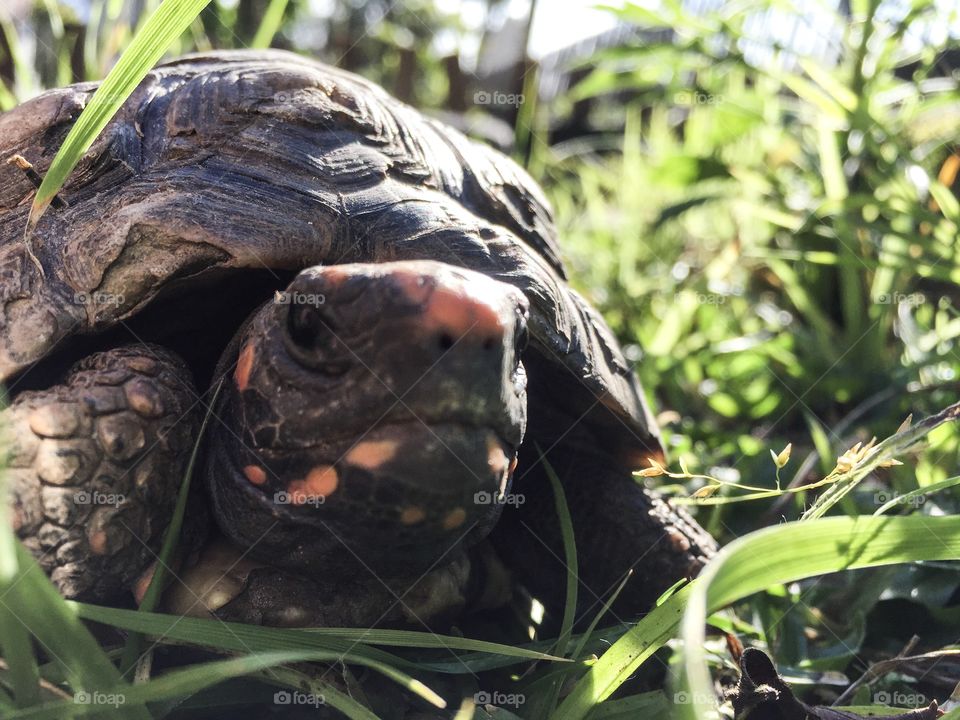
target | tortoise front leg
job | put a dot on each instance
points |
(96, 463)
(618, 526)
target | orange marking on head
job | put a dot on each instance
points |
(414, 286)
(335, 275)
(98, 542)
(319, 483)
(143, 583)
(244, 367)
(412, 515)
(496, 457)
(460, 313)
(322, 480)
(454, 519)
(371, 454)
(255, 474)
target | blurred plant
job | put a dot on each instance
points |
(775, 238)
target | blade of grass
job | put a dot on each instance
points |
(33, 599)
(622, 659)
(545, 702)
(570, 559)
(14, 637)
(652, 705)
(923, 492)
(241, 637)
(792, 552)
(164, 26)
(889, 449)
(171, 539)
(269, 24)
(763, 558)
(187, 681)
(288, 677)
(585, 638)
(18, 652)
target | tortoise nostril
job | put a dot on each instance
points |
(445, 341)
(489, 343)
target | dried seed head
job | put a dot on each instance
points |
(783, 458)
(655, 470)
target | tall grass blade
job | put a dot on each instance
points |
(147, 47)
(170, 541)
(269, 24)
(183, 683)
(792, 552)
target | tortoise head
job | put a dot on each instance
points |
(372, 403)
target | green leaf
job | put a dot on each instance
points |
(844, 96)
(623, 658)
(171, 538)
(35, 602)
(792, 552)
(240, 637)
(949, 205)
(269, 24)
(148, 46)
(184, 682)
(650, 705)
(910, 497)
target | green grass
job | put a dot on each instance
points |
(776, 250)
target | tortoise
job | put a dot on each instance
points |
(371, 310)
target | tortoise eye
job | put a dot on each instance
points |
(308, 329)
(314, 342)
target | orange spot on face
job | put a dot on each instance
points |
(414, 286)
(496, 457)
(412, 515)
(98, 542)
(459, 313)
(454, 519)
(371, 454)
(335, 275)
(322, 480)
(255, 474)
(319, 483)
(244, 366)
(143, 583)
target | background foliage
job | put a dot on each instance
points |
(770, 230)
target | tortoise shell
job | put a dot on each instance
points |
(225, 173)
